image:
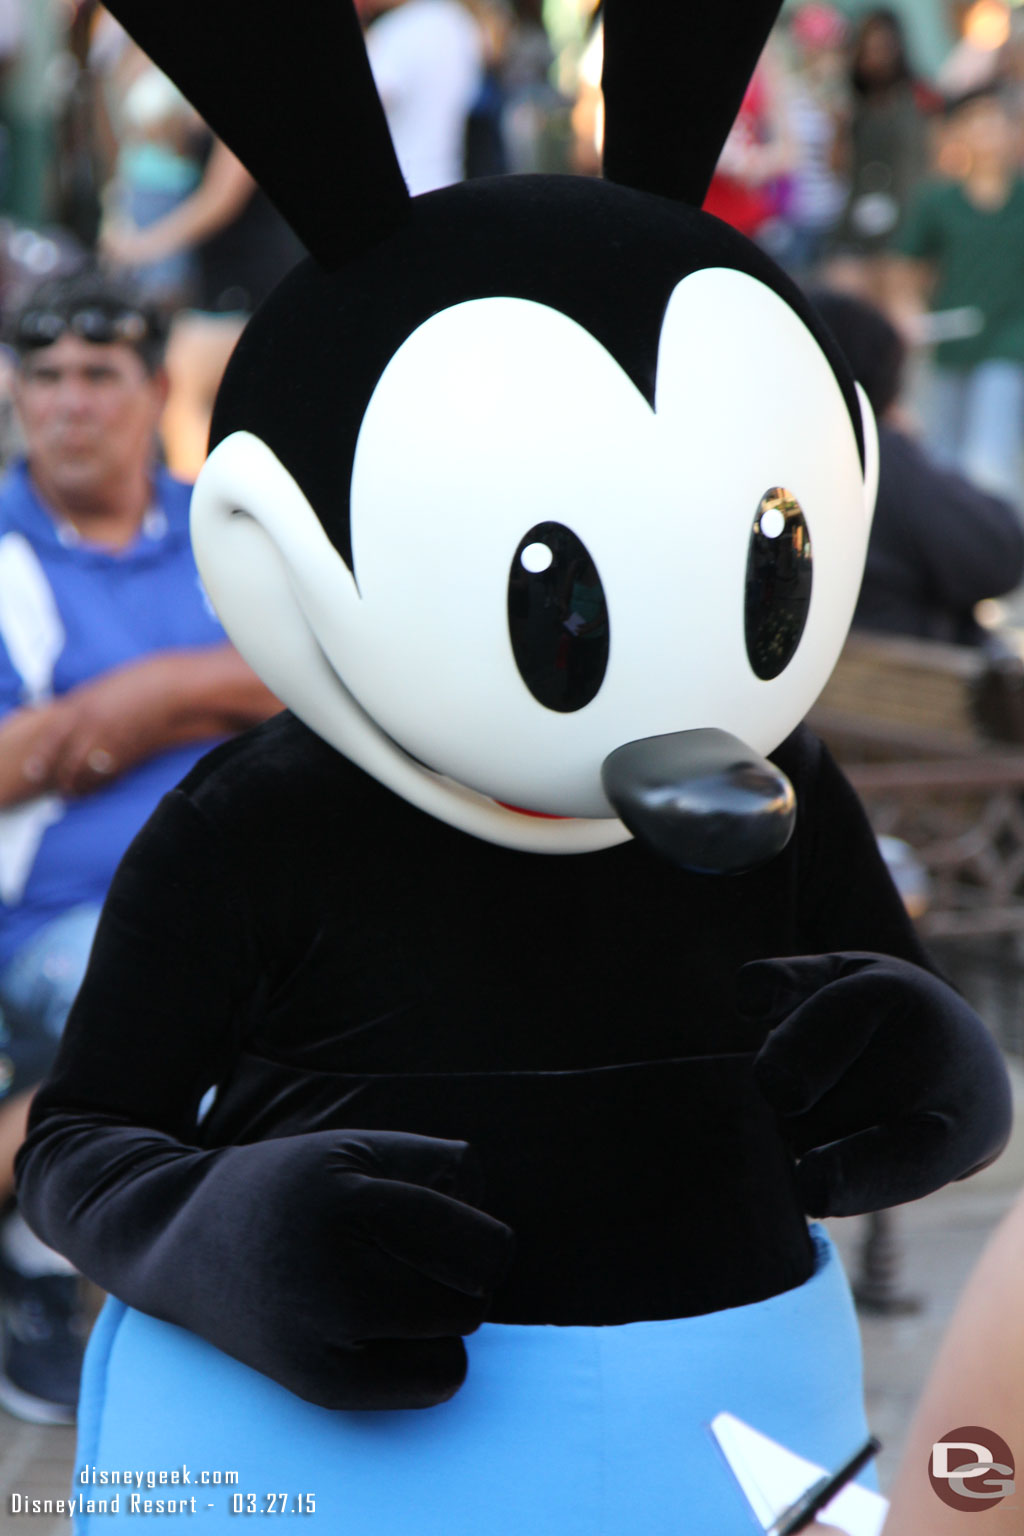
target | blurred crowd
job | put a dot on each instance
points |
(863, 177)
(848, 163)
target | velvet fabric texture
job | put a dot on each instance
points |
(674, 77)
(356, 976)
(881, 1077)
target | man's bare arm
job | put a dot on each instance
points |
(908, 285)
(220, 197)
(80, 742)
(20, 732)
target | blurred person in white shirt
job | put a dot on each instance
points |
(427, 59)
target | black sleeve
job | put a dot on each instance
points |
(346, 1265)
(157, 1017)
(847, 898)
(889, 1083)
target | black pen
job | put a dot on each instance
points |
(799, 1515)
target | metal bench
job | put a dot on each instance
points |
(914, 725)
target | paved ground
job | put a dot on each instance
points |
(37, 1463)
(940, 1239)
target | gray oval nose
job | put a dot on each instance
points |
(701, 798)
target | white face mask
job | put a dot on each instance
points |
(701, 559)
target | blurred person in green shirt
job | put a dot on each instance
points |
(963, 253)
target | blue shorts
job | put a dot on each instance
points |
(558, 1431)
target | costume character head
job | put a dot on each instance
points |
(544, 499)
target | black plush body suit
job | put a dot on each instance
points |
(333, 958)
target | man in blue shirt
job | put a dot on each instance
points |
(115, 676)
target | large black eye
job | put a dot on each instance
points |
(778, 582)
(557, 618)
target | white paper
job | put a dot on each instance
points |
(773, 1478)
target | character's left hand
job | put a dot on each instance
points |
(887, 1082)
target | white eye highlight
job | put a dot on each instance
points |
(536, 558)
(773, 521)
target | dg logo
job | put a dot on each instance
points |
(971, 1468)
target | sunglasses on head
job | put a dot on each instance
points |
(42, 327)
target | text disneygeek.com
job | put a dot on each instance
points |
(132, 1492)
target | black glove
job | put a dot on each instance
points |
(888, 1083)
(346, 1265)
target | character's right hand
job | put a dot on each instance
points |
(370, 1261)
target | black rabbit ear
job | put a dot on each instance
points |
(290, 91)
(674, 75)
